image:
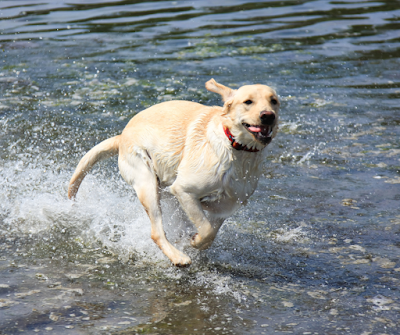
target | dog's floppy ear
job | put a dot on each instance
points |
(225, 92)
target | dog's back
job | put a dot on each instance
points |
(163, 131)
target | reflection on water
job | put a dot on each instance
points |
(316, 250)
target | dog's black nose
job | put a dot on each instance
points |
(267, 117)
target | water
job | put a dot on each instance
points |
(316, 250)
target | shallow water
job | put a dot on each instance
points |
(316, 250)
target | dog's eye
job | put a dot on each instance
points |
(248, 102)
(274, 101)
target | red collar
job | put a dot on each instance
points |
(235, 144)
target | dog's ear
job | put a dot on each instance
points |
(225, 92)
(227, 106)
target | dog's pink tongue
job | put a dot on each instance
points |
(255, 129)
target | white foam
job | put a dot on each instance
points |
(34, 200)
(290, 235)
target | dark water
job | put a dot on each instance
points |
(317, 249)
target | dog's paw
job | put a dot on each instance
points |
(199, 243)
(182, 261)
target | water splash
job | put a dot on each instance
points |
(34, 202)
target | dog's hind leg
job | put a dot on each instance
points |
(139, 173)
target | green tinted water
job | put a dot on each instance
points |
(316, 250)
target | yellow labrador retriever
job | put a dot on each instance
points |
(209, 158)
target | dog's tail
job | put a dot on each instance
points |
(101, 151)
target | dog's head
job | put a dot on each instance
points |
(251, 112)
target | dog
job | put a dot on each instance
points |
(208, 157)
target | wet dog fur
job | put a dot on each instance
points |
(208, 157)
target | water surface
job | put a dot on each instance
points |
(316, 250)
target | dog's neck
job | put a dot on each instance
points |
(236, 144)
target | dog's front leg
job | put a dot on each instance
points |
(200, 242)
(206, 230)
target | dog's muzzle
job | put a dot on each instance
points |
(267, 118)
(262, 133)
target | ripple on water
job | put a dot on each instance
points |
(315, 250)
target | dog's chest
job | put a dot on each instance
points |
(237, 182)
(241, 179)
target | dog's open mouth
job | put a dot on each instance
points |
(261, 133)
